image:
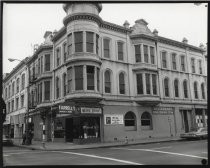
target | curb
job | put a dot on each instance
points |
(92, 147)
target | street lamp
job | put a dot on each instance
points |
(27, 107)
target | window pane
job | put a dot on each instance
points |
(182, 63)
(97, 43)
(69, 41)
(78, 38)
(185, 89)
(202, 91)
(174, 61)
(138, 53)
(120, 51)
(69, 74)
(166, 87)
(164, 60)
(154, 84)
(139, 83)
(122, 83)
(89, 41)
(152, 55)
(195, 90)
(90, 77)
(130, 119)
(79, 77)
(107, 82)
(47, 90)
(176, 87)
(47, 62)
(106, 48)
(148, 83)
(146, 59)
(98, 80)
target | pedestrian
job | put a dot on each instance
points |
(24, 138)
(30, 137)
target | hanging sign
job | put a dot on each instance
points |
(113, 119)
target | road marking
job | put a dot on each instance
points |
(171, 153)
(14, 151)
(25, 153)
(162, 147)
(100, 157)
(5, 155)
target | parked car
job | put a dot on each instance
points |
(7, 141)
(201, 133)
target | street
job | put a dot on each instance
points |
(166, 153)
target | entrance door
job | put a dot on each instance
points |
(69, 130)
(186, 126)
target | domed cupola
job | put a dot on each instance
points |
(79, 9)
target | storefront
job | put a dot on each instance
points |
(6, 126)
(77, 123)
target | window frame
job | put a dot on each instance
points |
(174, 61)
(152, 57)
(203, 91)
(64, 52)
(122, 85)
(143, 126)
(90, 42)
(193, 65)
(120, 50)
(164, 61)
(140, 84)
(195, 87)
(166, 89)
(176, 88)
(47, 91)
(183, 63)
(47, 63)
(185, 89)
(107, 49)
(79, 42)
(148, 84)
(146, 55)
(138, 55)
(80, 79)
(130, 122)
(107, 82)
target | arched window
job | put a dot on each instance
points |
(57, 87)
(146, 120)
(107, 82)
(203, 91)
(130, 120)
(23, 81)
(64, 84)
(185, 89)
(176, 87)
(122, 83)
(196, 90)
(166, 87)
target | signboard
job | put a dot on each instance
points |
(7, 120)
(113, 119)
(66, 109)
(85, 110)
(163, 110)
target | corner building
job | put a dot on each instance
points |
(111, 82)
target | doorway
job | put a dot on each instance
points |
(69, 129)
(186, 125)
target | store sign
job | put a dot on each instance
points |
(7, 120)
(163, 110)
(64, 109)
(113, 119)
(85, 110)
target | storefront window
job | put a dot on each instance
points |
(59, 131)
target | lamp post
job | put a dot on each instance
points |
(27, 107)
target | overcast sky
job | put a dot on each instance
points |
(25, 24)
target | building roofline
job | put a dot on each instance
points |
(20, 65)
(40, 49)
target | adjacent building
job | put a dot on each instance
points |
(15, 96)
(97, 81)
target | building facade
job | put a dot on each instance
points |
(15, 96)
(106, 82)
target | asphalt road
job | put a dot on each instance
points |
(167, 153)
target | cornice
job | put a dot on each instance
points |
(179, 44)
(148, 37)
(40, 49)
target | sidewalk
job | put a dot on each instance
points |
(37, 145)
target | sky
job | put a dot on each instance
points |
(25, 24)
